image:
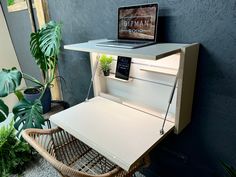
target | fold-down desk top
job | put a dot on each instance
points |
(152, 52)
(120, 133)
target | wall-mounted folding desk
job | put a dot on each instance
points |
(123, 120)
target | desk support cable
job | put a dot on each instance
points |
(93, 75)
(169, 103)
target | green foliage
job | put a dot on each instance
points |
(10, 2)
(43, 62)
(50, 39)
(14, 154)
(29, 114)
(45, 46)
(10, 79)
(105, 62)
(26, 114)
(231, 171)
(4, 111)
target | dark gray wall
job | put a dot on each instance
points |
(20, 28)
(211, 136)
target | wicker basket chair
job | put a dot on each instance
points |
(71, 157)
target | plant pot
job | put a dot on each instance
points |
(32, 94)
(106, 73)
(46, 100)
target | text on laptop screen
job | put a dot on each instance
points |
(138, 22)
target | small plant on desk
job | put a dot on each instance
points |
(105, 63)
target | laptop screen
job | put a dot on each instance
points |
(138, 22)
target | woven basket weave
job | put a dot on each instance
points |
(71, 157)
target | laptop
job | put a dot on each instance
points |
(137, 27)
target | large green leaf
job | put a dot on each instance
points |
(43, 61)
(10, 79)
(28, 115)
(45, 45)
(229, 169)
(50, 39)
(4, 111)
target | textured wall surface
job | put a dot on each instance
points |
(211, 135)
(20, 28)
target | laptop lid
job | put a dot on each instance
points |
(138, 22)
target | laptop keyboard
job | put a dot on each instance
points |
(125, 42)
(131, 42)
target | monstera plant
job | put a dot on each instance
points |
(44, 46)
(27, 114)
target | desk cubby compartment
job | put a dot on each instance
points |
(141, 69)
(146, 91)
(151, 83)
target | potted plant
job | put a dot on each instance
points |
(105, 63)
(45, 46)
(26, 113)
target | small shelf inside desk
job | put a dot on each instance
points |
(112, 76)
(167, 71)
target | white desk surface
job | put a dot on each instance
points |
(120, 133)
(152, 52)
